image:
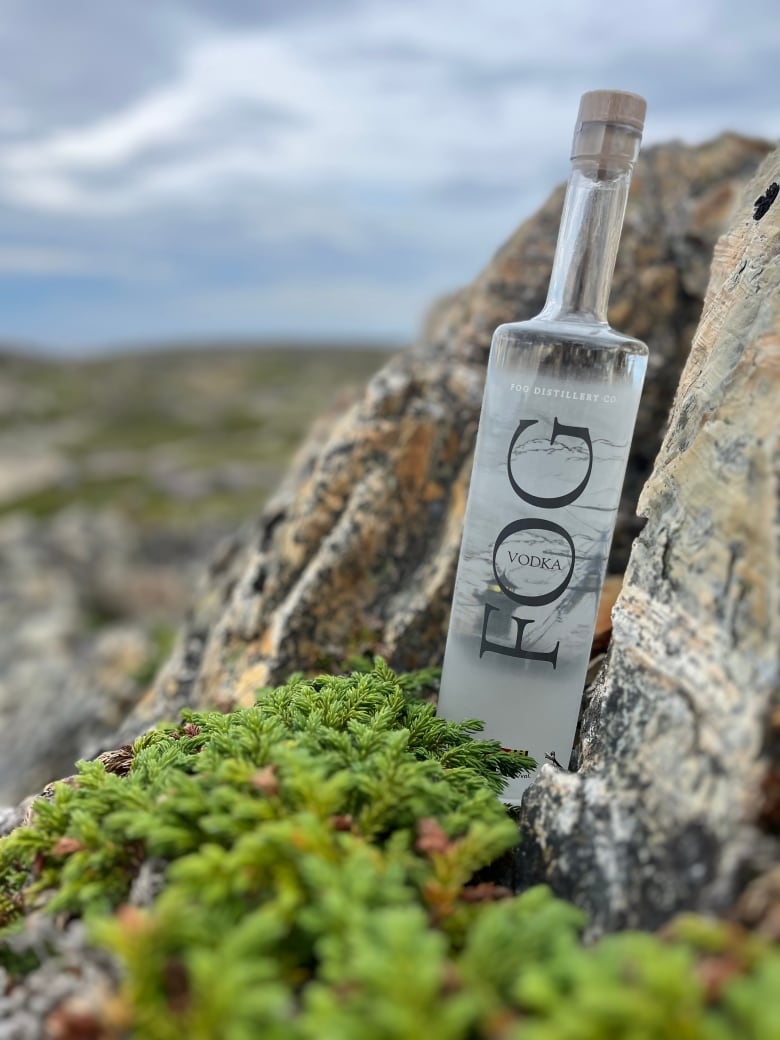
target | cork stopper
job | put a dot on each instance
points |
(613, 106)
(609, 126)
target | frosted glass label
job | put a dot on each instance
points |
(548, 469)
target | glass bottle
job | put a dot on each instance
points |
(561, 397)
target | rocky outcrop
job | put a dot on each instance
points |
(358, 553)
(677, 800)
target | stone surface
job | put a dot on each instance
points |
(68, 996)
(82, 608)
(676, 802)
(358, 552)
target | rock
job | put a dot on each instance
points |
(677, 798)
(358, 554)
(83, 609)
(68, 994)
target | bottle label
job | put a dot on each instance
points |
(535, 543)
(548, 471)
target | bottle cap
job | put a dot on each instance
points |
(609, 126)
(613, 106)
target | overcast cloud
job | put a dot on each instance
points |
(177, 170)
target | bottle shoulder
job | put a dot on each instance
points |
(535, 331)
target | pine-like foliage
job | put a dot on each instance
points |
(320, 850)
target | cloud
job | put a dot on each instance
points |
(66, 62)
(184, 151)
(381, 100)
(37, 260)
(267, 12)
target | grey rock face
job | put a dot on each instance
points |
(672, 804)
(78, 609)
(66, 994)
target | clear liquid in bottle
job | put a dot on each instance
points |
(554, 437)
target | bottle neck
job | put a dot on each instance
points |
(588, 241)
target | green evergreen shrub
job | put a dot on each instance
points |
(320, 853)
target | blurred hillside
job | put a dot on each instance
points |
(117, 478)
(177, 439)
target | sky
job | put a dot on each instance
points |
(206, 170)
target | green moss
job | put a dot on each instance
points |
(93, 492)
(320, 853)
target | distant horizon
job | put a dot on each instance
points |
(199, 344)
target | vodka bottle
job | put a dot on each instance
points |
(561, 397)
